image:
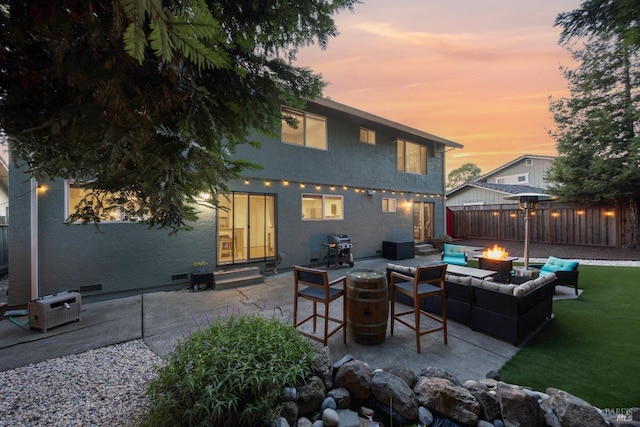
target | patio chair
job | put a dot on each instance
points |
(314, 285)
(566, 271)
(427, 282)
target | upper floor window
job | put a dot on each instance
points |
(412, 158)
(104, 205)
(319, 206)
(310, 130)
(368, 136)
(522, 178)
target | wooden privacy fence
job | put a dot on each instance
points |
(551, 222)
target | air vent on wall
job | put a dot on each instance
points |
(179, 276)
(94, 288)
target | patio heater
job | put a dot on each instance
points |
(528, 203)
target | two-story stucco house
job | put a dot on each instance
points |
(341, 171)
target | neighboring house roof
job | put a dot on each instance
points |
(481, 181)
(511, 163)
(382, 121)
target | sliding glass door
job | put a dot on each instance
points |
(246, 228)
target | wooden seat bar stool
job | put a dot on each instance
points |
(427, 282)
(314, 285)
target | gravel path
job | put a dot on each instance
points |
(103, 387)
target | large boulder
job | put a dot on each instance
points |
(393, 391)
(433, 372)
(310, 396)
(355, 376)
(322, 366)
(519, 408)
(573, 411)
(451, 400)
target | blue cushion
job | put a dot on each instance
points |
(457, 260)
(453, 250)
(554, 264)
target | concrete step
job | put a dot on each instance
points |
(237, 277)
(426, 249)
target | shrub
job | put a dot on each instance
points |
(228, 373)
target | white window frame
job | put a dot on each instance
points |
(389, 204)
(513, 179)
(367, 136)
(119, 219)
(403, 163)
(325, 207)
(528, 162)
(304, 127)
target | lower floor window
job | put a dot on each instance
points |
(319, 206)
(246, 228)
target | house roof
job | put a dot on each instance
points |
(508, 188)
(381, 121)
(511, 163)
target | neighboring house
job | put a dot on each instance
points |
(341, 171)
(522, 175)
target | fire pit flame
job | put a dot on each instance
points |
(495, 253)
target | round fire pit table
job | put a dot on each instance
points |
(367, 305)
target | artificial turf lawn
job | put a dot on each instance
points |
(591, 348)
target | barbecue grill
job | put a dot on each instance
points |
(340, 250)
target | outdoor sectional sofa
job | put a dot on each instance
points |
(506, 311)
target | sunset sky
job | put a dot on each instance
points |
(476, 72)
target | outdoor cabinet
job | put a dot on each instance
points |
(200, 281)
(395, 249)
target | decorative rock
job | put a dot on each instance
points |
(355, 376)
(425, 416)
(310, 396)
(317, 423)
(489, 406)
(406, 374)
(330, 418)
(345, 359)
(303, 422)
(431, 372)
(391, 390)
(290, 412)
(572, 410)
(365, 412)
(348, 418)
(483, 423)
(518, 408)
(341, 396)
(288, 394)
(448, 399)
(494, 375)
(498, 423)
(281, 422)
(328, 402)
(322, 366)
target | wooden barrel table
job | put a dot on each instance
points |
(367, 306)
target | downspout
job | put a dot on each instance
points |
(34, 239)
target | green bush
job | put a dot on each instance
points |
(228, 373)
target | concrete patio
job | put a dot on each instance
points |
(162, 318)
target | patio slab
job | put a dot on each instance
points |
(163, 318)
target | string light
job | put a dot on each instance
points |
(370, 191)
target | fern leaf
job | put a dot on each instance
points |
(160, 41)
(135, 41)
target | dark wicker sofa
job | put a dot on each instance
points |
(508, 312)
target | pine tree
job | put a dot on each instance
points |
(596, 127)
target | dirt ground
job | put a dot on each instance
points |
(543, 250)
